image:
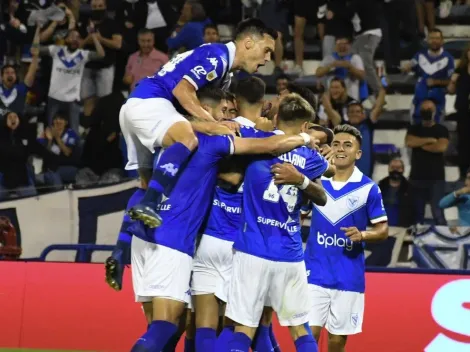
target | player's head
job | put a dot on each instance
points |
(249, 94)
(346, 146)
(146, 40)
(9, 76)
(435, 39)
(255, 45)
(213, 100)
(72, 40)
(356, 113)
(232, 110)
(337, 89)
(211, 33)
(294, 112)
(428, 112)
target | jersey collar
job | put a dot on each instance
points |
(231, 54)
(244, 121)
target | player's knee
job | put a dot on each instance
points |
(336, 343)
(267, 316)
(297, 331)
(190, 141)
(316, 331)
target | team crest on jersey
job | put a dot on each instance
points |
(352, 202)
(354, 319)
(211, 75)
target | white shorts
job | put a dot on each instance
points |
(159, 271)
(144, 124)
(256, 281)
(340, 312)
(212, 267)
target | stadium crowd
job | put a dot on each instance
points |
(67, 66)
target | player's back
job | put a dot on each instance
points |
(184, 212)
(271, 227)
(333, 260)
(206, 64)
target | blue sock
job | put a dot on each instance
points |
(239, 343)
(189, 345)
(125, 237)
(276, 347)
(156, 337)
(224, 337)
(306, 343)
(172, 343)
(205, 339)
(165, 172)
(262, 340)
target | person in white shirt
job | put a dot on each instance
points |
(68, 64)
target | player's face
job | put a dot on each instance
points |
(232, 111)
(146, 43)
(9, 76)
(257, 53)
(346, 149)
(211, 35)
(435, 41)
(73, 40)
(220, 112)
(336, 90)
(13, 121)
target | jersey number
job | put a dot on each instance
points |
(288, 193)
(171, 65)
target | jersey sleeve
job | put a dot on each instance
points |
(450, 67)
(375, 206)
(206, 66)
(217, 146)
(251, 132)
(317, 165)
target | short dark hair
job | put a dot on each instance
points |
(293, 108)
(4, 67)
(230, 97)
(211, 26)
(283, 76)
(355, 103)
(254, 26)
(436, 30)
(348, 129)
(304, 92)
(251, 90)
(211, 95)
(143, 31)
(343, 37)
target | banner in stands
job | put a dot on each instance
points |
(68, 217)
(404, 312)
(441, 247)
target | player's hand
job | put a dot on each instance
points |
(462, 191)
(328, 153)
(353, 233)
(264, 124)
(286, 174)
(232, 125)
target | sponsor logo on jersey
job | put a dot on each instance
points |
(226, 207)
(211, 76)
(334, 241)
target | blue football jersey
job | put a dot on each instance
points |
(225, 217)
(427, 66)
(207, 64)
(271, 213)
(185, 211)
(333, 261)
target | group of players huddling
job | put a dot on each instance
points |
(214, 232)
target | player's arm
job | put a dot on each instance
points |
(272, 145)
(185, 93)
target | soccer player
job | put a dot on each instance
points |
(214, 101)
(334, 255)
(162, 257)
(149, 118)
(268, 262)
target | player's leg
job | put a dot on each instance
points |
(172, 131)
(169, 290)
(288, 294)
(345, 318)
(262, 340)
(248, 291)
(184, 326)
(320, 300)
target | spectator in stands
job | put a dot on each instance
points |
(144, 62)
(12, 91)
(344, 65)
(274, 15)
(68, 65)
(232, 110)
(214, 101)
(426, 12)
(55, 32)
(461, 200)
(62, 153)
(101, 158)
(365, 122)
(99, 75)
(281, 83)
(191, 34)
(429, 141)
(304, 12)
(396, 194)
(366, 25)
(333, 109)
(460, 85)
(211, 33)
(11, 28)
(337, 18)
(434, 68)
(15, 173)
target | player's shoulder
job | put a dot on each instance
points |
(208, 143)
(211, 49)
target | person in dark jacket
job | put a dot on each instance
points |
(15, 174)
(397, 196)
